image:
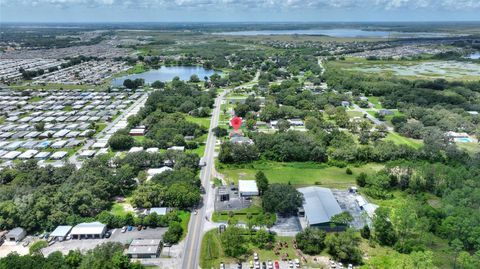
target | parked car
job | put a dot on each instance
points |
(269, 265)
(222, 265)
(277, 266)
(239, 265)
(130, 228)
(139, 227)
(124, 229)
(68, 237)
(25, 244)
(108, 234)
(264, 265)
(255, 256)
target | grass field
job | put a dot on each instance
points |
(211, 252)
(240, 215)
(399, 140)
(374, 100)
(297, 173)
(185, 217)
(205, 122)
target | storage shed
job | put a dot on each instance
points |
(16, 234)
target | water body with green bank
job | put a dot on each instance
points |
(167, 73)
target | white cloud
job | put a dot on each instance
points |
(258, 4)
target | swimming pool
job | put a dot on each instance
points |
(463, 140)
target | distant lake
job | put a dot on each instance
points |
(474, 56)
(336, 33)
(167, 73)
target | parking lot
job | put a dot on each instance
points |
(117, 236)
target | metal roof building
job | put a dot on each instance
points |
(16, 234)
(247, 188)
(61, 232)
(144, 248)
(89, 230)
(320, 206)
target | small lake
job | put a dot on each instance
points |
(167, 73)
(474, 56)
(346, 33)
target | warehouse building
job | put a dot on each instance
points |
(89, 230)
(319, 206)
(144, 248)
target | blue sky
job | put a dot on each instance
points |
(237, 10)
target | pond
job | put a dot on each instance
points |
(341, 32)
(474, 56)
(167, 73)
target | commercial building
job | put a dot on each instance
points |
(247, 188)
(144, 248)
(89, 230)
(61, 232)
(319, 206)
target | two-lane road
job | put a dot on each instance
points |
(191, 253)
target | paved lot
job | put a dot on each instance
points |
(117, 236)
(8, 247)
(287, 226)
(347, 202)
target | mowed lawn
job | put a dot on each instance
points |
(399, 140)
(204, 121)
(298, 173)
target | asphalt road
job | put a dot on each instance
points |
(191, 254)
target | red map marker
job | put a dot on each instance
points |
(236, 122)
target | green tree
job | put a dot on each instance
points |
(262, 182)
(344, 246)
(233, 242)
(281, 198)
(174, 233)
(311, 240)
(383, 228)
(283, 125)
(37, 247)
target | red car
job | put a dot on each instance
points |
(277, 266)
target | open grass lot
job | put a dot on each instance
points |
(212, 253)
(185, 217)
(297, 173)
(205, 122)
(240, 215)
(399, 140)
(425, 68)
(384, 257)
(375, 101)
(470, 147)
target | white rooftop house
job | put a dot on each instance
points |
(87, 153)
(161, 211)
(11, 155)
(59, 155)
(177, 148)
(247, 188)
(89, 230)
(135, 149)
(28, 154)
(157, 171)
